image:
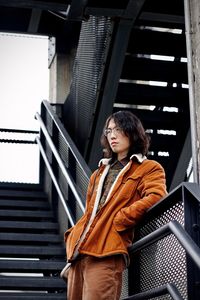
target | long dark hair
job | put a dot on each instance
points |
(133, 128)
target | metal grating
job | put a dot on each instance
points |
(63, 150)
(124, 292)
(164, 261)
(76, 171)
(172, 213)
(49, 124)
(81, 181)
(89, 63)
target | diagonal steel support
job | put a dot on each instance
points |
(169, 289)
(76, 10)
(118, 51)
(183, 162)
(35, 20)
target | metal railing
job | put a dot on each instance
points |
(13, 136)
(182, 236)
(167, 242)
(60, 162)
(63, 179)
(167, 289)
(50, 170)
(15, 144)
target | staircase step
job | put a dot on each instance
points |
(24, 214)
(19, 204)
(32, 296)
(32, 283)
(148, 69)
(22, 194)
(31, 251)
(28, 237)
(17, 226)
(151, 95)
(31, 266)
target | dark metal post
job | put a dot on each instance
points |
(192, 226)
(119, 47)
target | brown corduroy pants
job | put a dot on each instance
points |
(92, 278)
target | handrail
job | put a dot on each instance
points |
(182, 236)
(168, 288)
(60, 162)
(72, 222)
(19, 130)
(11, 139)
(68, 140)
(6, 141)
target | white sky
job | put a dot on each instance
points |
(23, 79)
(24, 83)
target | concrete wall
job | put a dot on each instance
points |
(192, 21)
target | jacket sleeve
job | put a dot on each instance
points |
(151, 189)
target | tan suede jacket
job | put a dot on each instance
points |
(139, 185)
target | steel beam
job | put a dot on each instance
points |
(76, 10)
(43, 5)
(115, 65)
(34, 21)
(182, 165)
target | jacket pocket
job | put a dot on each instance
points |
(126, 235)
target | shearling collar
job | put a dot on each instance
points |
(139, 156)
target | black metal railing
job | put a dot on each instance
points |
(166, 247)
(16, 146)
(167, 289)
(173, 227)
(64, 173)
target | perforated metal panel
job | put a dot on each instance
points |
(124, 292)
(76, 172)
(164, 261)
(88, 66)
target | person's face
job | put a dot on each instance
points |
(118, 141)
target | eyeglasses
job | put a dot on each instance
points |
(115, 130)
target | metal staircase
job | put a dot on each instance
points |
(31, 249)
(119, 65)
(131, 54)
(139, 54)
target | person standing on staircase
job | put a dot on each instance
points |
(125, 185)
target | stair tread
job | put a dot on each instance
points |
(22, 193)
(31, 265)
(39, 283)
(24, 203)
(34, 237)
(32, 296)
(28, 225)
(30, 246)
(151, 95)
(25, 213)
(31, 251)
